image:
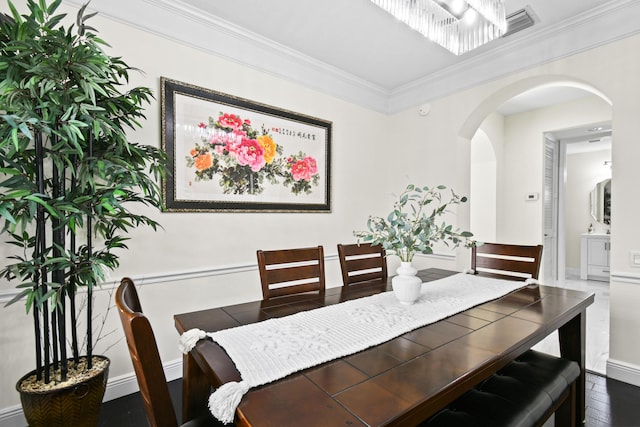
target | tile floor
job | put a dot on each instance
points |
(597, 346)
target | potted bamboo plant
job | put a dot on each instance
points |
(68, 175)
(413, 226)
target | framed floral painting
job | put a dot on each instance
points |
(232, 154)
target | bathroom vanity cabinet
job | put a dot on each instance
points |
(594, 256)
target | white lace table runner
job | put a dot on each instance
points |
(272, 349)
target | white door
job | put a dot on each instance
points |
(550, 256)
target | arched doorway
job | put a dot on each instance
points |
(520, 156)
(520, 168)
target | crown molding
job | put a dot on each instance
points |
(176, 21)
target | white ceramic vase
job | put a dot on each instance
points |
(406, 285)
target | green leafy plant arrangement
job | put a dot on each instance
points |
(411, 227)
(67, 170)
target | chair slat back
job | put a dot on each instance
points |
(145, 357)
(291, 271)
(505, 261)
(362, 263)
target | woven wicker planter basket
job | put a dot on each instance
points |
(72, 406)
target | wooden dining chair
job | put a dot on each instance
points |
(506, 261)
(147, 364)
(362, 263)
(291, 271)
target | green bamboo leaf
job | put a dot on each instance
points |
(77, 124)
(25, 130)
(9, 171)
(44, 204)
(51, 295)
(53, 261)
(53, 6)
(18, 297)
(80, 14)
(14, 138)
(4, 212)
(68, 113)
(14, 13)
(108, 206)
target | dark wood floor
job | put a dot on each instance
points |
(610, 403)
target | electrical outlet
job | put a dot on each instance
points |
(635, 258)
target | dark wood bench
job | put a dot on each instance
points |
(523, 394)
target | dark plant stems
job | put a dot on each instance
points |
(72, 278)
(41, 274)
(92, 283)
(58, 275)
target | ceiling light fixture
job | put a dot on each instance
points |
(457, 25)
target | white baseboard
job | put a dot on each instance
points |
(625, 372)
(12, 417)
(128, 384)
(116, 387)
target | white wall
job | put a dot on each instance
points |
(584, 171)
(524, 162)
(483, 189)
(487, 180)
(373, 156)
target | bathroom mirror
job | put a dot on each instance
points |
(601, 202)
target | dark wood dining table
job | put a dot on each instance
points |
(398, 383)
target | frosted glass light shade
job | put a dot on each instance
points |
(443, 21)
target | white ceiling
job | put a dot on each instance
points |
(354, 50)
(541, 97)
(363, 40)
